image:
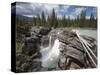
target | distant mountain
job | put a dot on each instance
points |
(22, 17)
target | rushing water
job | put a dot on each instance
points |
(50, 54)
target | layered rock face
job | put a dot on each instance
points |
(72, 53)
(29, 58)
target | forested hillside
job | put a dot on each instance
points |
(54, 37)
(24, 24)
(53, 21)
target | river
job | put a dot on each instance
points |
(89, 32)
(50, 54)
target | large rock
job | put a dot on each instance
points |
(32, 45)
(72, 54)
(30, 52)
(45, 41)
(44, 30)
(72, 51)
(23, 63)
(36, 66)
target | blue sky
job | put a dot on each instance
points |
(32, 9)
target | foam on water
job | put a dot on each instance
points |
(50, 55)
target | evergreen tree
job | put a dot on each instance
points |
(34, 21)
(48, 21)
(64, 21)
(53, 19)
(38, 20)
(43, 19)
(68, 21)
(92, 22)
(82, 19)
(78, 21)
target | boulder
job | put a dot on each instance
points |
(31, 46)
(23, 63)
(27, 34)
(45, 41)
(44, 30)
(72, 50)
(36, 66)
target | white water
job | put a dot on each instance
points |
(50, 54)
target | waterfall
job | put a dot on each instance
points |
(50, 41)
(50, 54)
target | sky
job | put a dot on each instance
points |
(33, 9)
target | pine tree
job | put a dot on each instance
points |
(64, 21)
(53, 19)
(78, 21)
(34, 21)
(92, 21)
(48, 21)
(82, 19)
(68, 21)
(38, 20)
(43, 19)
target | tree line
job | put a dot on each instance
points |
(23, 26)
(53, 21)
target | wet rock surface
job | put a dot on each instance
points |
(29, 59)
(72, 53)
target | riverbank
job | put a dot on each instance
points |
(54, 49)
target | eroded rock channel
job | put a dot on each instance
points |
(48, 49)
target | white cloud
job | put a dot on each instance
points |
(24, 9)
(95, 11)
(59, 16)
(78, 10)
(72, 17)
(49, 7)
(87, 17)
(29, 9)
(64, 8)
(66, 16)
(30, 15)
(37, 8)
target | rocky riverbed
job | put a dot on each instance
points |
(48, 49)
